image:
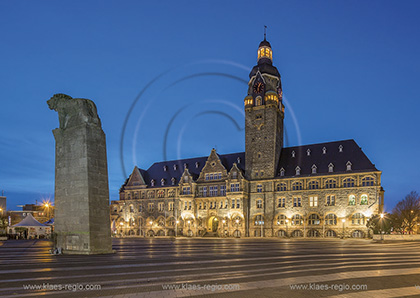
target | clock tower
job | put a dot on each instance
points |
(264, 114)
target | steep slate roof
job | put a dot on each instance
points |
(350, 152)
(157, 172)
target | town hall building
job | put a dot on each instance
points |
(317, 190)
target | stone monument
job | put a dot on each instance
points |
(82, 219)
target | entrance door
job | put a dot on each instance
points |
(213, 224)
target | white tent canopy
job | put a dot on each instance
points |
(29, 221)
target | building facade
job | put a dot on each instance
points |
(318, 190)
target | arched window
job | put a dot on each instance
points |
(330, 183)
(258, 101)
(259, 220)
(348, 182)
(281, 187)
(161, 193)
(331, 219)
(363, 199)
(314, 219)
(352, 200)
(281, 219)
(313, 185)
(367, 181)
(297, 220)
(358, 219)
(297, 186)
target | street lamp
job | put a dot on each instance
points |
(343, 220)
(381, 226)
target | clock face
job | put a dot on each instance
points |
(258, 88)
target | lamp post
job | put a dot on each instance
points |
(343, 221)
(381, 226)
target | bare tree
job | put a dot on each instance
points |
(407, 211)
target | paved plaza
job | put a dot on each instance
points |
(249, 267)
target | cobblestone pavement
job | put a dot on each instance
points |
(209, 267)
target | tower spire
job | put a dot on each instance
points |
(265, 32)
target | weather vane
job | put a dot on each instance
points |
(265, 31)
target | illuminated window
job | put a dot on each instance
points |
(258, 101)
(352, 200)
(363, 200)
(331, 183)
(161, 193)
(313, 201)
(259, 220)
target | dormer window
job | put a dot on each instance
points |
(162, 182)
(324, 150)
(197, 164)
(314, 169)
(297, 171)
(152, 182)
(308, 152)
(330, 168)
(348, 166)
(282, 172)
(340, 148)
(165, 168)
(293, 153)
(185, 165)
(238, 160)
(175, 167)
(173, 180)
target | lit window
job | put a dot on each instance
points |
(281, 219)
(161, 193)
(363, 200)
(259, 220)
(313, 201)
(352, 200)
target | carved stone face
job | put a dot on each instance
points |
(52, 103)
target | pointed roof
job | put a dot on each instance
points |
(29, 221)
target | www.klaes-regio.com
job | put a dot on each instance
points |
(199, 287)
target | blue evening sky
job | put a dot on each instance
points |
(350, 70)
